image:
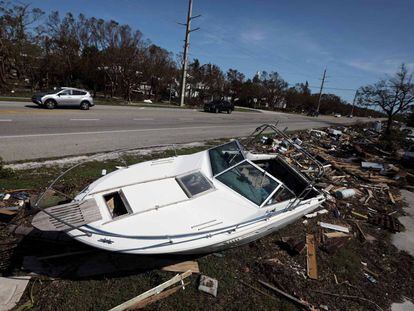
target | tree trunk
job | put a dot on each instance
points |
(389, 124)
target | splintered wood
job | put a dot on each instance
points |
(183, 266)
(312, 268)
(137, 302)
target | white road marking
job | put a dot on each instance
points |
(6, 120)
(143, 119)
(84, 119)
(128, 131)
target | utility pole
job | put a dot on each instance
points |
(186, 45)
(320, 92)
(353, 102)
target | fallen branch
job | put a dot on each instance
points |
(348, 297)
(286, 295)
(257, 289)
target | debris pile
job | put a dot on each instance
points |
(361, 184)
(12, 201)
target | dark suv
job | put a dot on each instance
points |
(219, 106)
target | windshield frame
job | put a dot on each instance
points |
(280, 184)
(241, 150)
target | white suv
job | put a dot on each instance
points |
(64, 96)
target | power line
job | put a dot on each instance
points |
(334, 88)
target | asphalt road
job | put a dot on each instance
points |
(28, 132)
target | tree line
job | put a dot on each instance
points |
(39, 51)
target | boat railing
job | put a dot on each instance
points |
(316, 172)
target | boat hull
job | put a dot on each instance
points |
(222, 241)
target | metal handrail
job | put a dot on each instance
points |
(320, 169)
(258, 131)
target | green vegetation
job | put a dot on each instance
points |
(14, 99)
(4, 172)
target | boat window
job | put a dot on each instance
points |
(225, 156)
(115, 204)
(194, 183)
(249, 181)
(282, 194)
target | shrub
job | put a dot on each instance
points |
(393, 140)
(4, 172)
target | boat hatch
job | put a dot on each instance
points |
(194, 184)
(117, 204)
(250, 182)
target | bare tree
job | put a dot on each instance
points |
(393, 95)
(18, 50)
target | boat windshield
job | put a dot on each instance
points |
(225, 156)
(249, 181)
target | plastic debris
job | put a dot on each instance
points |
(208, 285)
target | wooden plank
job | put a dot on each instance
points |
(333, 227)
(156, 290)
(332, 235)
(183, 266)
(391, 197)
(156, 297)
(359, 215)
(7, 212)
(360, 231)
(312, 268)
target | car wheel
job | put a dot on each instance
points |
(216, 110)
(50, 104)
(84, 105)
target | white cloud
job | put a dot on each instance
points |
(253, 36)
(380, 65)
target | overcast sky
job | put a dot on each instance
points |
(358, 41)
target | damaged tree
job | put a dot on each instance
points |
(393, 96)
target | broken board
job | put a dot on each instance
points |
(331, 235)
(183, 266)
(154, 291)
(11, 290)
(312, 269)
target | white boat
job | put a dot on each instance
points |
(203, 202)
